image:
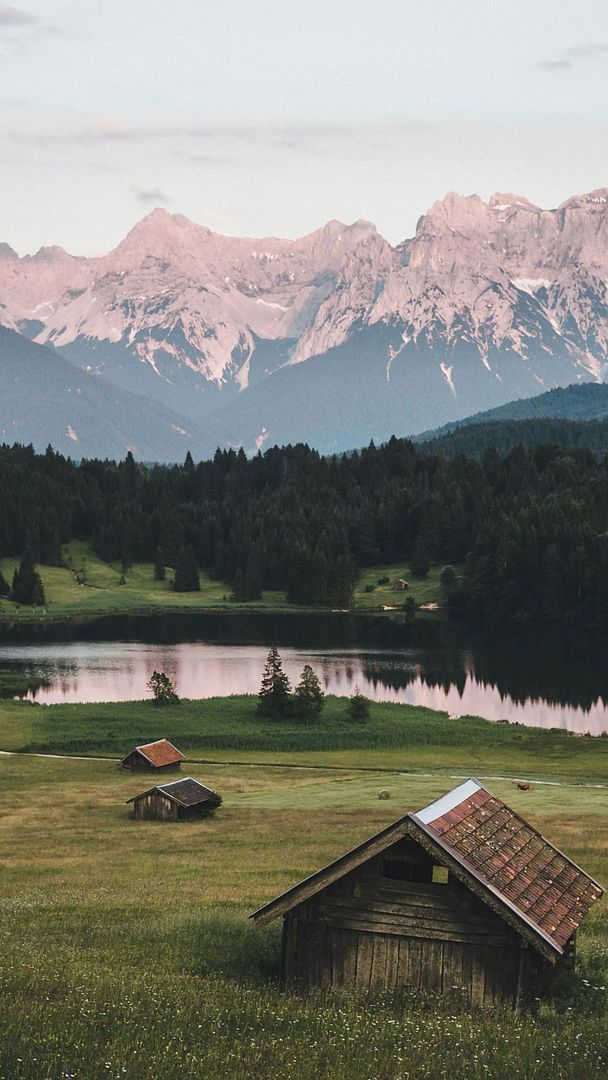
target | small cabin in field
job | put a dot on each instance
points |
(463, 897)
(176, 801)
(400, 585)
(159, 756)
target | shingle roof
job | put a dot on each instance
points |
(161, 752)
(511, 866)
(186, 792)
(511, 858)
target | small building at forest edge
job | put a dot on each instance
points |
(463, 897)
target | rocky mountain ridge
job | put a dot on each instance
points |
(486, 303)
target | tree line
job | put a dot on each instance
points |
(530, 527)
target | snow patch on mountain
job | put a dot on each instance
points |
(503, 286)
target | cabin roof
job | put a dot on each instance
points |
(186, 792)
(160, 753)
(519, 873)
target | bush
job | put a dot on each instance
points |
(358, 706)
(162, 688)
(447, 578)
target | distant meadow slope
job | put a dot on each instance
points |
(522, 537)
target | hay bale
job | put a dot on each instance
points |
(384, 794)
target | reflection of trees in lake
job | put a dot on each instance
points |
(558, 669)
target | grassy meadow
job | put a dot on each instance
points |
(397, 737)
(86, 585)
(125, 947)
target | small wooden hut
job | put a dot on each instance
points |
(175, 801)
(463, 897)
(159, 756)
(400, 585)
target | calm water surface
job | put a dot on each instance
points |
(459, 681)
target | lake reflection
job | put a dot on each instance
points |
(447, 679)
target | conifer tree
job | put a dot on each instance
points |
(27, 584)
(420, 563)
(4, 585)
(358, 706)
(159, 565)
(447, 578)
(273, 698)
(309, 697)
(410, 607)
(186, 571)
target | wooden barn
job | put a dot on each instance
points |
(175, 801)
(400, 585)
(159, 756)
(463, 897)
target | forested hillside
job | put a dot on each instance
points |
(531, 528)
(504, 435)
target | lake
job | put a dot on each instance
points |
(553, 683)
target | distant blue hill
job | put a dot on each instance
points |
(573, 416)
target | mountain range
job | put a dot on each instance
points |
(181, 338)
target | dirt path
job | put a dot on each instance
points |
(327, 768)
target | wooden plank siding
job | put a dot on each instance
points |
(155, 805)
(366, 931)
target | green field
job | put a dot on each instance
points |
(424, 590)
(100, 592)
(125, 946)
(400, 737)
(126, 950)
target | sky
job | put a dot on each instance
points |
(271, 117)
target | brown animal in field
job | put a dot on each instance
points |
(521, 786)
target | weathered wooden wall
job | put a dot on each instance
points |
(157, 806)
(371, 931)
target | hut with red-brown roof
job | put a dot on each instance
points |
(463, 897)
(159, 756)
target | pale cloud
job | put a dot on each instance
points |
(152, 195)
(12, 16)
(555, 65)
(223, 144)
(304, 136)
(572, 57)
(592, 48)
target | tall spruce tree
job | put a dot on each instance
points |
(159, 565)
(4, 585)
(274, 696)
(420, 563)
(186, 571)
(309, 697)
(27, 583)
